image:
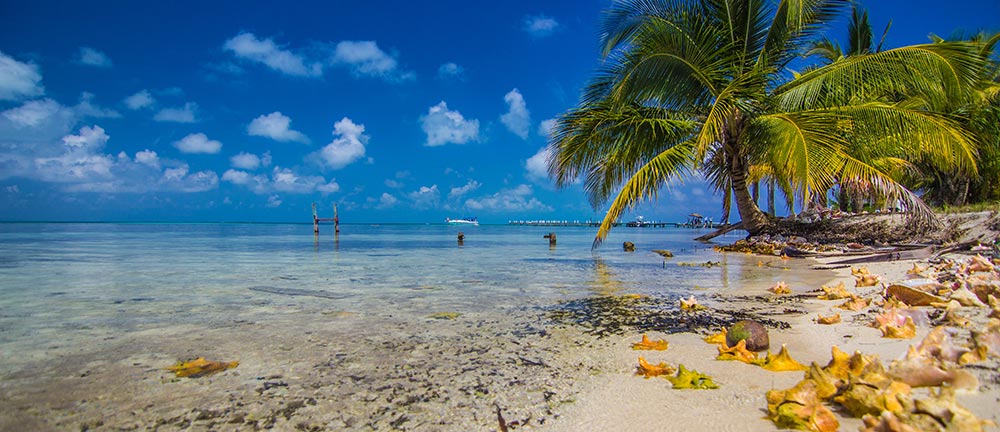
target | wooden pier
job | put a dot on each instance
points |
(335, 219)
(633, 224)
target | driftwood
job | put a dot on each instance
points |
(893, 255)
(721, 231)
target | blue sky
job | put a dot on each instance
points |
(398, 111)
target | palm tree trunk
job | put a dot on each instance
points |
(753, 219)
(770, 197)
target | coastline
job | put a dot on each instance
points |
(624, 401)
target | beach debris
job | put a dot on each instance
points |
(717, 338)
(951, 315)
(781, 362)
(989, 339)
(965, 297)
(894, 330)
(664, 253)
(854, 303)
(801, 408)
(691, 305)
(918, 370)
(980, 264)
(915, 292)
(867, 280)
(780, 288)
(836, 292)
(917, 271)
(827, 320)
(646, 344)
(752, 331)
(628, 246)
(939, 345)
(946, 411)
(860, 271)
(648, 370)
(444, 315)
(691, 379)
(200, 367)
(872, 394)
(983, 287)
(738, 353)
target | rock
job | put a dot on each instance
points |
(752, 331)
(664, 253)
(628, 246)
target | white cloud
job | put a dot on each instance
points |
(185, 114)
(250, 161)
(90, 138)
(92, 57)
(33, 113)
(393, 184)
(247, 46)
(540, 25)
(508, 200)
(451, 70)
(546, 127)
(365, 58)
(275, 126)
(538, 165)
(518, 118)
(281, 180)
(425, 197)
(386, 201)
(198, 143)
(86, 108)
(19, 80)
(348, 145)
(141, 99)
(273, 201)
(458, 192)
(444, 126)
(237, 177)
(148, 157)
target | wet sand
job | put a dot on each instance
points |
(347, 370)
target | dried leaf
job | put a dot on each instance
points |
(738, 352)
(646, 344)
(691, 379)
(200, 367)
(832, 319)
(650, 370)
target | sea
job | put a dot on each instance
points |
(132, 298)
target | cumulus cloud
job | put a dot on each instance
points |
(247, 46)
(250, 161)
(538, 165)
(92, 57)
(444, 126)
(86, 108)
(540, 25)
(148, 157)
(508, 200)
(198, 143)
(273, 201)
(386, 201)
(185, 114)
(425, 197)
(280, 180)
(139, 100)
(393, 184)
(347, 146)
(34, 113)
(277, 127)
(451, 70)
(458, 192)
(546, 127)
(365, 58)
(19, 80)
(518, 118)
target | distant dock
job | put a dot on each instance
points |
(633, 224)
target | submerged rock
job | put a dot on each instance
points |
(628, 246)
(752, 331)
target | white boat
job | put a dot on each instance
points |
(462, 221)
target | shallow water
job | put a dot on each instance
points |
(83, 292)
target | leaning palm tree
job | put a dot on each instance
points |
(686, 83)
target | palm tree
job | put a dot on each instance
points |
(690, 85)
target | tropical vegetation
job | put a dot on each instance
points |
(723, 88)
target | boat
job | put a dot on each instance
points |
(462, 221)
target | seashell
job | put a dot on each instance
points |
(718, 338)
(832, 319)
(855, 303)
(939, 345)
(867, 280)
(873, 396)
(780, 288)
(990, 339)
(860, 271)
(917, 271)
(980, 264)
(898, 315)
(917, 370)
(966, 298)
(691, 379)
(691, 304)
(982, 287)
(646, 344)
(913, 292)
(738, 352)
(648, 370)
(839, 365)
(952, 317)
(894, 330)
(834, 293)
(801, 408)
(949, 413)
(782, 362)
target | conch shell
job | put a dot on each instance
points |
(691, 379)
(921, 371)
(867, 280)
(834, 293)
(780, 288)
(832, 319)
(800, 407)
(738, 352)
(917, 271)
(965, 297)
(860, 271)
(648, 370)
(781, 362)
(718, 338)
(691, 304)
(855, 303)
(895, 331)
(646, 344)
(915, 292)
(980, 264)
(200, 367)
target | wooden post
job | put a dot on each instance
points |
(315, 220)
(336, 220)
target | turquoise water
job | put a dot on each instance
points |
(66, 285)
